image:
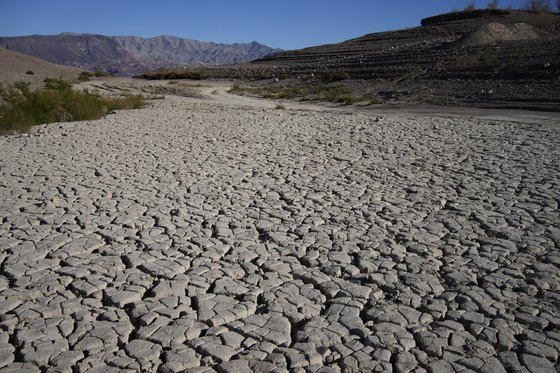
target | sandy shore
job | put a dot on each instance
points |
(228, 236)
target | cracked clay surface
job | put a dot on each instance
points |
(193, 236)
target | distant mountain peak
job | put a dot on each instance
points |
(129, 55)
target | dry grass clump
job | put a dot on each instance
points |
(86, 75)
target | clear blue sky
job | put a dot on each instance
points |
(287, 24)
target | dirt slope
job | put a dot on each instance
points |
(14, 67)
(506, 60)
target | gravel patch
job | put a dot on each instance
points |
(497, 32)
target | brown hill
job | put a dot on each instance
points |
(15, 66)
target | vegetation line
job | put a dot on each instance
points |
(187, 73)
(21, 108)
(320, 92)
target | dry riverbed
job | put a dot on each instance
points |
(207, 235)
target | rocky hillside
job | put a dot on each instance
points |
(128, 55)
(485, 58)
(167, 50)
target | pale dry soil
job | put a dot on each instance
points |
(219, 234)
(15, 67)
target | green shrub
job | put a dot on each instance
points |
(84, 76)
(280, 107)
(199, 74)
(263, 75)
(332, 94)
(375, 101)
(288, 93)
(21, 108)
(193, 74)
(319, 92)
(56, 84)
(346, 100)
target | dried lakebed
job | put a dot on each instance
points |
(198, 237)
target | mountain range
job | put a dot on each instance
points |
(129, 55)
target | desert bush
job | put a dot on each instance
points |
(346, 100)
(336, 76)
(470, 6)
(493, 4)
(375, 101)
(289, 93)
(539, 6)
(236, 88)
(21, 108)
(331, 95)
(194, 74)
(30, 72)
(318, 92)
(85, 76)
(263, 75)
(198, 74)
(128, 101)
(280, 107)
(56, 84)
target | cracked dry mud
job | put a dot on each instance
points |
(193, 236)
